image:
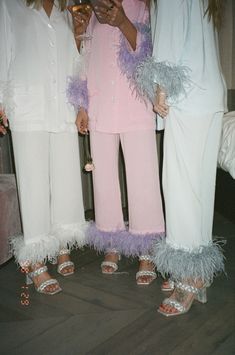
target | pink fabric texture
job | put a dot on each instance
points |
(113, 106)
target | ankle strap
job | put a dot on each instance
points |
(111, 250)
(64, 252)
(187, 288)
(38, 272)
(145, 258)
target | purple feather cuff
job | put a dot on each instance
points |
(77, 93)
(126, 243)
(129, 59)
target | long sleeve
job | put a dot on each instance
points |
(169, 32)
(128, 59)
(5, 58)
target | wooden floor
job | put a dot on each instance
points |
(98, 315)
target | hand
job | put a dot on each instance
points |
(80, 21)
(82, 121)
(111, 13)
(3, 122)
(160, 105)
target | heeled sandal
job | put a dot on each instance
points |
(65, 264)
(150, 274)
(44, 284)
(199, 294)
(168, 286)
(111, 264)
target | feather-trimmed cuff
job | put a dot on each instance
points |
(173, 79)
(77, 93)
(127, 243)
(202, 263)
(40, 249)
(70, 235)
(128, 59)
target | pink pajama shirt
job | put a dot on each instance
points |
(117, 115)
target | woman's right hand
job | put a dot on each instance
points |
(80, 21)
(82, 121)
(3, 122)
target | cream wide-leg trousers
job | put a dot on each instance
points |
(50, 194)
(191, 146)
(146, 222)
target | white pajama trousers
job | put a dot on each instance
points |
(50, 194)
(191, 145)
(146, 220)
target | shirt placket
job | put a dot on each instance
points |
(53, 70)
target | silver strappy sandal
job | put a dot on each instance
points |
(44, 284)
(149, 273)
(65, 264)
(111, 264)
(199, 294)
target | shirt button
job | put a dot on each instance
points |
(112, 82)
(48, 25)
(52, 44)
(54, 81)
(53, 62)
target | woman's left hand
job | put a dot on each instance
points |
(111, 13)
(160, 106)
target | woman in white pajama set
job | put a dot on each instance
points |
(39, 53)
(186, 68)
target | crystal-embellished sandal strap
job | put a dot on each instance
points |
(146, 273)
(64, 265)
(46, 283)
(111, 251)
(145, 258)
(37, 272)
(174, 304)
(110, 264)
(187, 288)
(64, 252)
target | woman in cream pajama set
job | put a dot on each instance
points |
(39, 53)
(185, 46)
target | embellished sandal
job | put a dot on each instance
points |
(172, 307)
(110, 264)
(42, 288)
(168, 286)
(149, 275)
(66, 264)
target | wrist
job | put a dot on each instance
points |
(124, 24)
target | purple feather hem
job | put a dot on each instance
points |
(128, 244)
(77, 93)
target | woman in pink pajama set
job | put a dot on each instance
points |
(120, 39)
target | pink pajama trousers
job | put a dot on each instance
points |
(146, 222)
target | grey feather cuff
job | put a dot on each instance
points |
(173, 79)
(202, 263)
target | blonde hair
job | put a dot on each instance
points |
(214, 11)
(38, 3)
